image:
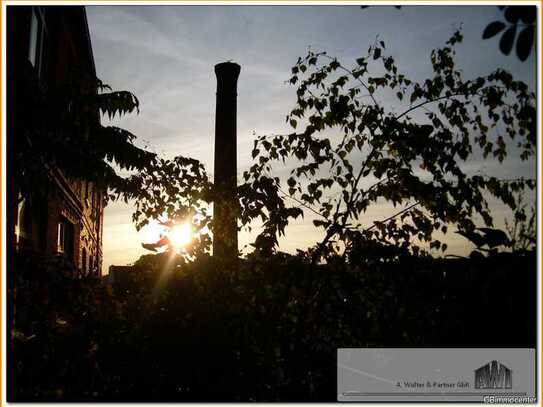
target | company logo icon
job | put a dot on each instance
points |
(493, 375)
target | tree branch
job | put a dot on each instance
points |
(427, 102)
(358, 79)
(393, 216)
(301, 203)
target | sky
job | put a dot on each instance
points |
(166, 54)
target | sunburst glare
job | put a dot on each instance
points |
(180, 235)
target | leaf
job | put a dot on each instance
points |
(492, 29)
(524, 43)
(512, 14)
(506, 42)
(528, 14)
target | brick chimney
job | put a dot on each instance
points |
(225, 235)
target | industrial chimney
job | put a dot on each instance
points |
(225, 234)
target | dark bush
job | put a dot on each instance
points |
(269, 332)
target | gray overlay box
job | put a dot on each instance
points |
(434, 374)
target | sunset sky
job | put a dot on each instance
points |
(166, 54)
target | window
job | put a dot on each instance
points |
(38, 42)
(61, 236)
(23, 227)
(65, 238)
(33, 45)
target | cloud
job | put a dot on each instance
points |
(166, 54)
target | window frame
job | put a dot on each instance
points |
(66, 238)
(61, 237)
(37, 41)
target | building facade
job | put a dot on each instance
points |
(43, 45)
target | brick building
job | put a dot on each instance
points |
(43, 44)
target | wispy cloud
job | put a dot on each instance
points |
(166, 55)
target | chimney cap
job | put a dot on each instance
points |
(227, 68)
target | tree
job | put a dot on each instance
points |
(410, 156)
(174, 191)
(522, 230)
(62, 128)
(412, 159)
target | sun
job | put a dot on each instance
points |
(180, 235)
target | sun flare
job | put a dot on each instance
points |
(180, 235)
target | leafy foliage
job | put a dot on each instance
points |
(58, 331)
(353, 153)
(62, 129)
(523, 229)
(492, 238)
(165, 333)
(175, 191)
(516, 18)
